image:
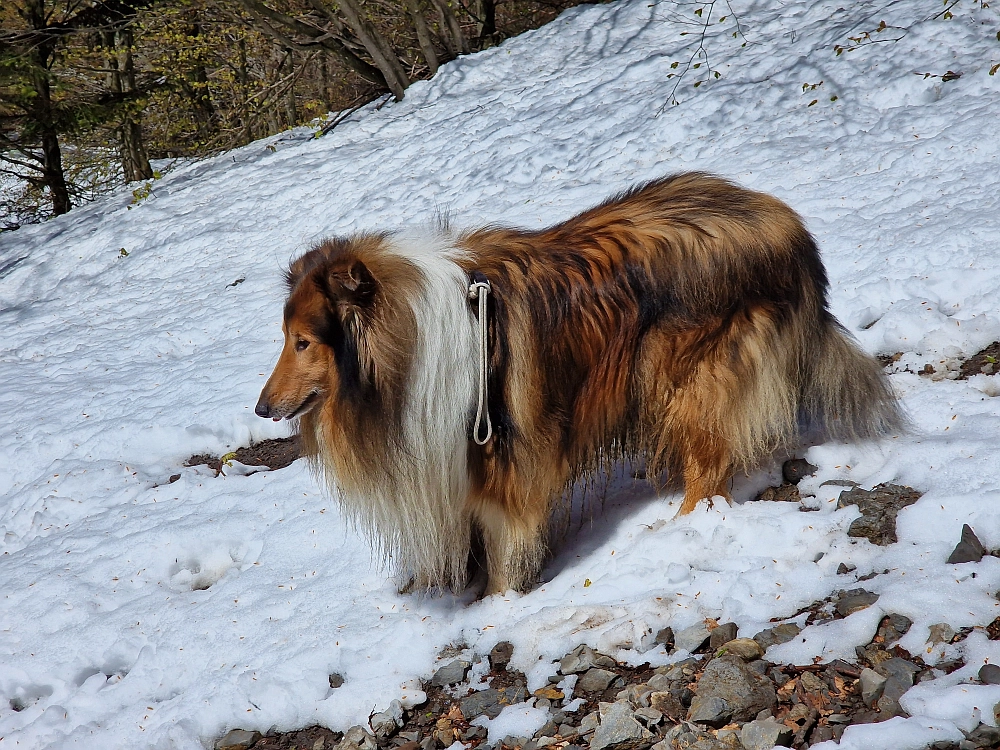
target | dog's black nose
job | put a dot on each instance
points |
(263, 409)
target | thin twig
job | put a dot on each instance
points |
(341, 116)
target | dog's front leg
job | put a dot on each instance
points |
(515, 546)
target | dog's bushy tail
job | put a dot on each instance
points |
(846, 394)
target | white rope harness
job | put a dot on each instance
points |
(478, 290)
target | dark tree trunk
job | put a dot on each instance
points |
(451, 30)
(291, 113)
(243, 76)
(486, 20)
(423, 35)
(121, 81)
(52, 172)
(42, 111)
(377, 46)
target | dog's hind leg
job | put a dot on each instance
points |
(705, 476)
(706, 460)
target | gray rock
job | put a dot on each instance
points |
(984, 736)
(490, 702)
(237, 739)
(764, 734)
(811, 683)
(722, 635)
(899, 675)
(549, 730)
(780, 634)
(969, 549)
(746, 648)
(664, 637)
(745, 692)
(637, 695)
(500, 656)
(879, 507)
(667, 704)
(619, 729)
(901, 669)
(711, 710)
(888, 704)
(793, 470)
(589, 722)
(650, 717)
(783, 493)
(451, 673)
(336, 680)
(481, 703)
(941, 632)
(687, 737)
(855, 600)
(357, 738)
(989, 674)
(893, 627)
(659, 682)
(680, 670)
(595, 680)
(472, 733)
(839, 483)
(845, 568)
(692, 638)
(583, 658)
(729, 739)
(871, 684)
(385, 723)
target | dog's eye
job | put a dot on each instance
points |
(301, 345)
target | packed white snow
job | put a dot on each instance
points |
(137, 612)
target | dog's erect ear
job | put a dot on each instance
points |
(352, 284)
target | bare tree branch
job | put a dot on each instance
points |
(315, 36)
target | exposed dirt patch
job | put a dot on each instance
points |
(274, 454)
(985, 362)
(312, 738)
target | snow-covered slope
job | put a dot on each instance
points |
(141, 613)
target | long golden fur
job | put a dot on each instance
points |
(683, 323)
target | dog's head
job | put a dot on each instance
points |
(332, 306)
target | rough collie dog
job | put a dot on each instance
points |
(683, 323)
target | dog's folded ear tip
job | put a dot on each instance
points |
(350, 279)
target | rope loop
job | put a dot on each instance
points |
(478, 290)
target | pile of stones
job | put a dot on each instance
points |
(724, 696)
